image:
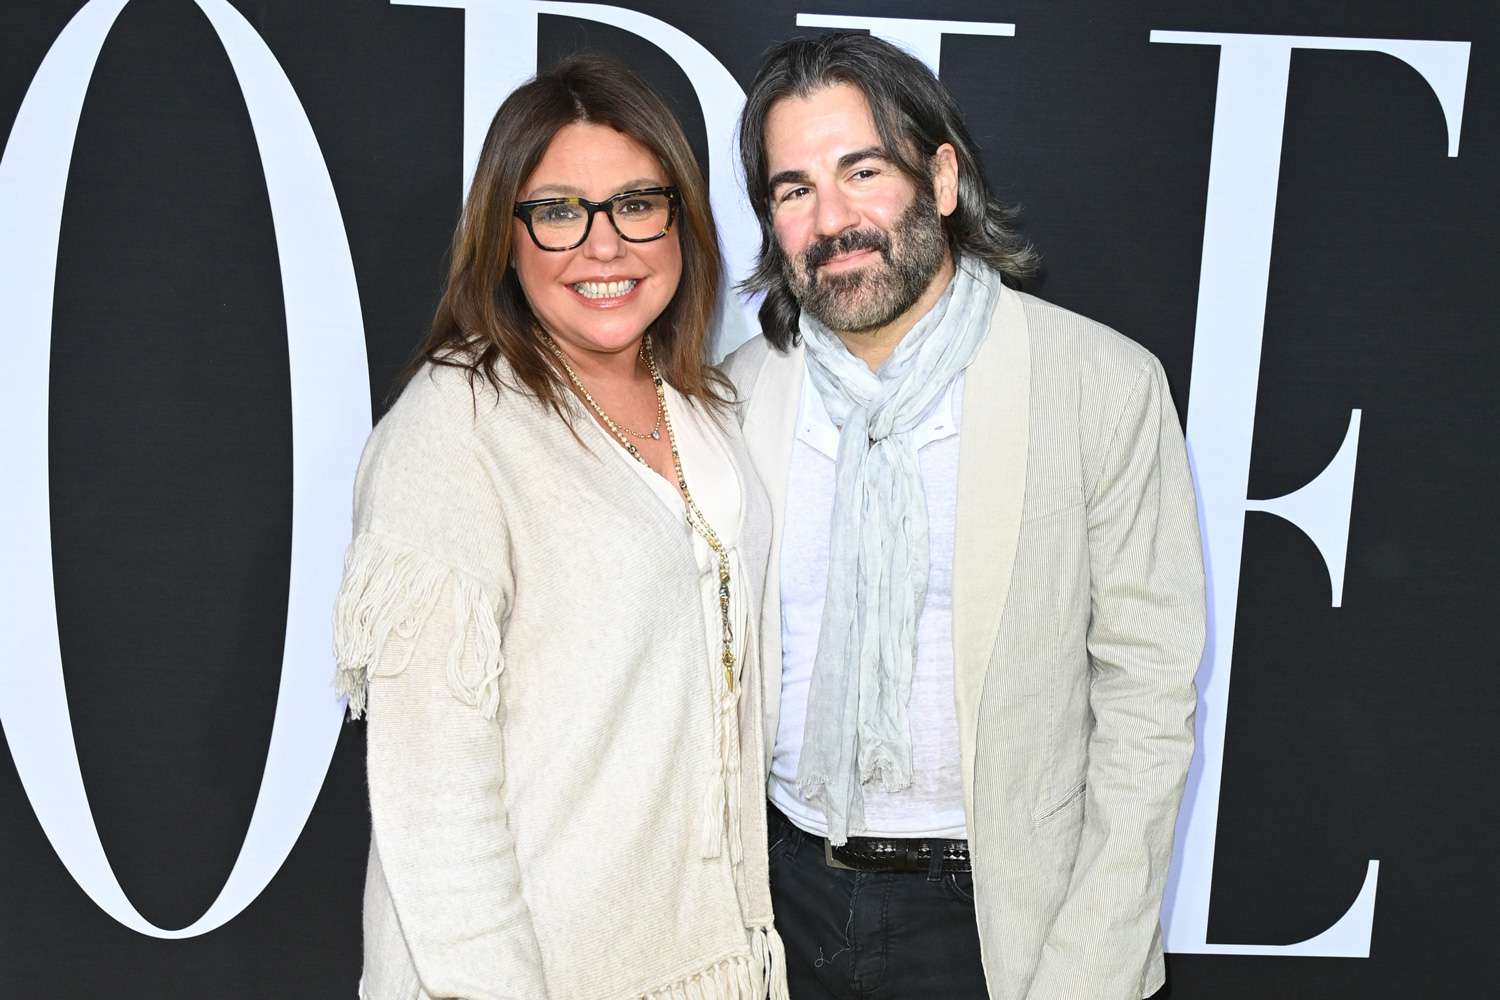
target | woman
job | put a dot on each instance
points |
(547, 606)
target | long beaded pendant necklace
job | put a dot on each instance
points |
(695, 518)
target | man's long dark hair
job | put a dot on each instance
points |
(914, 115)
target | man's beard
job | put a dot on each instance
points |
(868, 298)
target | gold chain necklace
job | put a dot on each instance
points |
(654, 433)
(619, 430)
(695, 518)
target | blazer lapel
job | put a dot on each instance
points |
(769, 427)
(991, 485)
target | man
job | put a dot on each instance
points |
(986, 604)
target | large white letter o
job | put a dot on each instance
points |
(330, 418)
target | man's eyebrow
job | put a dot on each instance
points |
(788, 177)
(868, 153)
(845, 162)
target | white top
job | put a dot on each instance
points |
(714, 484)
(933, 804)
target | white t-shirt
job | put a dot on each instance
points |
(932, 805)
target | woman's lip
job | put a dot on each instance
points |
(605, 303)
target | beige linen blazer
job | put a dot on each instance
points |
(1078, 624)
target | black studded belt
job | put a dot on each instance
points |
(882, 854)
(931, 856)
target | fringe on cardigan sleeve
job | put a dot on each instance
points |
(419, 649)
(390, 589)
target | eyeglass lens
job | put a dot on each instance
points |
(636, 217)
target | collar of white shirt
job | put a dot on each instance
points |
(816, 428)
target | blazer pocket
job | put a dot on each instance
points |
(1073, 797)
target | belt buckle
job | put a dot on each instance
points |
(830, 860)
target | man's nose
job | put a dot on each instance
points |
(836, 212)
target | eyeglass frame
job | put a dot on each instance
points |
(523, 209)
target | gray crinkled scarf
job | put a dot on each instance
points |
(877, 564)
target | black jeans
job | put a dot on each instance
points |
(870, 936)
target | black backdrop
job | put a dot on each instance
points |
(1353, 733)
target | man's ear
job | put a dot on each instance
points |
(944, 166)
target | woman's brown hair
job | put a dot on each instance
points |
(483, 317)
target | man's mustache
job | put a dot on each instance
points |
(829, 247)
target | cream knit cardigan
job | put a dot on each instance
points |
(520, 617)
